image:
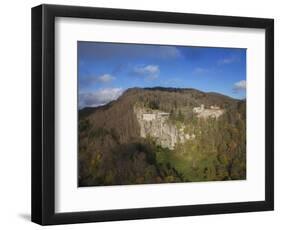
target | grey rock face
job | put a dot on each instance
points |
(155, 123)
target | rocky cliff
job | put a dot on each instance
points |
(156, 124)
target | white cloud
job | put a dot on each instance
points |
(149, 69)
(150, 72)
(240, 86)
(105, 78)
(100, 97)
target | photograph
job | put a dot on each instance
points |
(150, 114)
(146, 113)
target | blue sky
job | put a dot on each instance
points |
(105, 70)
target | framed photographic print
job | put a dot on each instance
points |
(141, 114)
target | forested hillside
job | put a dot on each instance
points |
(113, 151)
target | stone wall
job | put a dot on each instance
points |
(148, 116)
(213, 111)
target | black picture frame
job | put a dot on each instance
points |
(43, 110)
